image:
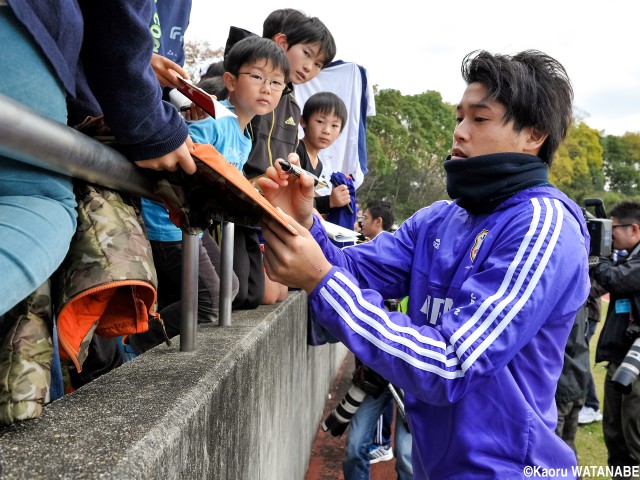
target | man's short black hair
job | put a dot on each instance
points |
(325, 103)
(251, 50)
(627, 212)
(534, 88)
(383, 210)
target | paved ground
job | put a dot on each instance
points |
(328, 452)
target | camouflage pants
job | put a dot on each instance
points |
(26, 351)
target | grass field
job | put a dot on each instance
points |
(589, 440)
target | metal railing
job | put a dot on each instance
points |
(31, 138)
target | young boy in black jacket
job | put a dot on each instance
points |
(323, 118)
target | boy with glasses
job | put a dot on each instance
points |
(256, 70)
(494, 280)
(309, 47)
(255, 75)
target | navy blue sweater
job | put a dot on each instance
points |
(116, 53)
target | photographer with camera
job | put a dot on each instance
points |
(621, 278)
(374, 393)
(359, 410)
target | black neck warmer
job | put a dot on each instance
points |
(480, 184)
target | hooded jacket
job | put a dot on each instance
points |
(492, 299)
(129, 94)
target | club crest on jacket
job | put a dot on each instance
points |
(478, 243)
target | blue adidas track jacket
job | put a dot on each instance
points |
(492, 299)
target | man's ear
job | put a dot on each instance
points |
(281, 39)
(303, 123)
(229, 80)
(536, 140)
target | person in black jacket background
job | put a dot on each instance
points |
(621, 278)
(574, 379)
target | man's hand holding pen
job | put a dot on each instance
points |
(292, 192)
(295, 261)
(296, 170)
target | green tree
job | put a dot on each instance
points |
(407, 140)
(577, 165)
(622, 162)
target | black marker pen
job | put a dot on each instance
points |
(296, 170)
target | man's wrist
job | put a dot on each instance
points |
(306, 222)
(317, 275)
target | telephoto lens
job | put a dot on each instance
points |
(628, 371)
(338, 420)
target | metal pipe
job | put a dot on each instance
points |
(226, 274)
(61, 149)
(34, 139)
(399, 403)
(189, 293)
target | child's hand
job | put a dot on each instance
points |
(167, 72)
(339, 196)
(179, 158)
(193, 112)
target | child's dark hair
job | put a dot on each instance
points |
(383, 210)
(214, 86)
(534, 88)
(251, 50)
(302, 29)
(273, 23)
(216, 69)
(326, 103)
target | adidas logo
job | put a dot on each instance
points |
(290, 121)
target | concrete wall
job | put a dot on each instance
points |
(245, 405)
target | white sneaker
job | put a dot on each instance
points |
(589, 415)
(380, 453)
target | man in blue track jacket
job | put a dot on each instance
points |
(494, 281)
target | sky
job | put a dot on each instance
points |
(414, 46)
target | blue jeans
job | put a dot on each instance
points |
(356, 464)
(382, 435)
(37, 207)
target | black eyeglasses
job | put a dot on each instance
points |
(620, 226)
(276, 85)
